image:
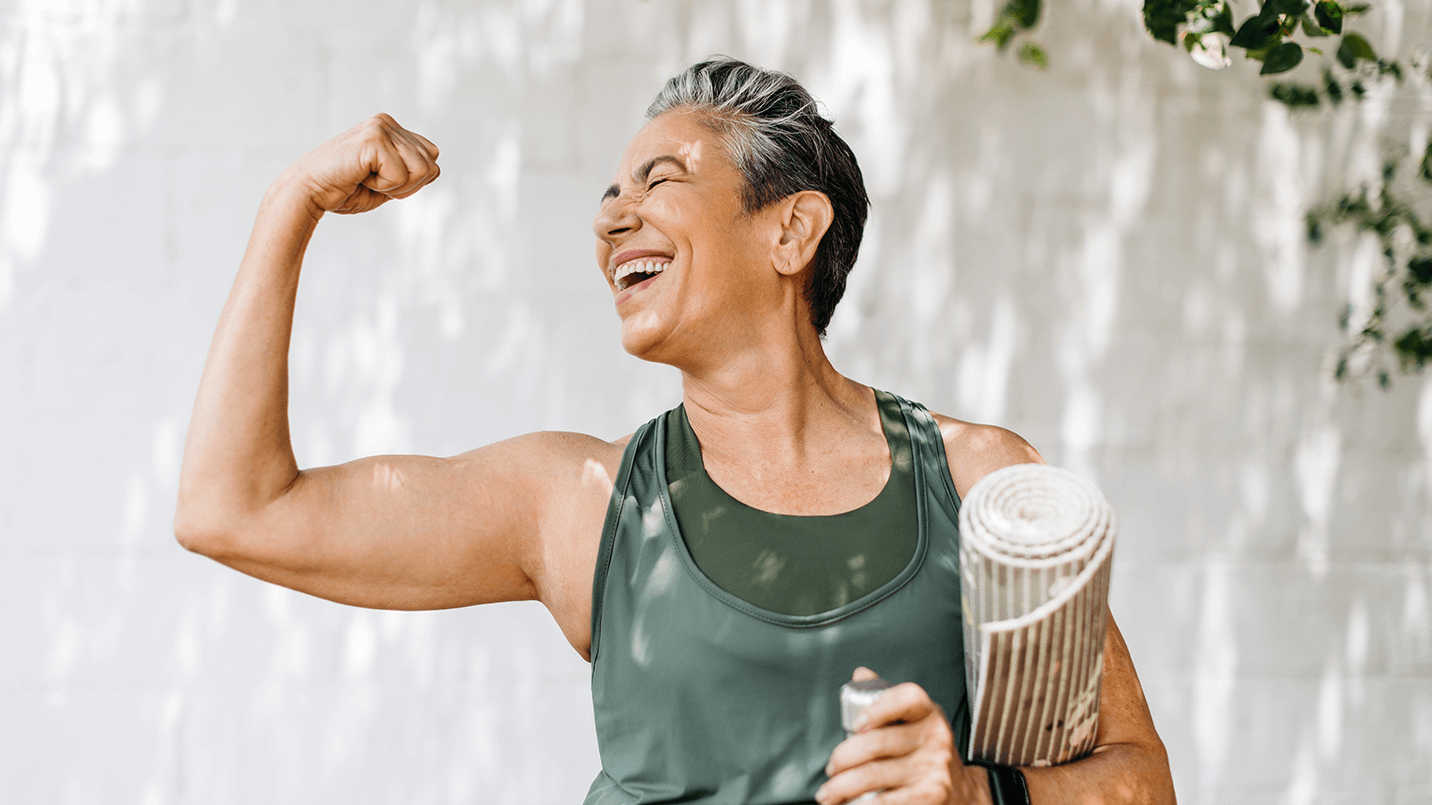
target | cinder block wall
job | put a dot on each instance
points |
(1106, 257)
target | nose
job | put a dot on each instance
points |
(617, 218)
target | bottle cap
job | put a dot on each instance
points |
(856, 696)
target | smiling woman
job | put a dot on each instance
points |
(730, 564)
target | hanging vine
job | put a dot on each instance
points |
(1016, 19)
(1395, 326)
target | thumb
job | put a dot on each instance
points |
(862, 674)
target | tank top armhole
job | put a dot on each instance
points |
(935, 440)
(609, 531)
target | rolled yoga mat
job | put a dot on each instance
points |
(1036, 546)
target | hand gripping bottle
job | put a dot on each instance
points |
(854, 698)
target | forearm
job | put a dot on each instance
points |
(1113, 775)
(1129, 763)
(238, 455)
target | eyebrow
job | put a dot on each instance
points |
(640, 174)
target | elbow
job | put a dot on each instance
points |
(204, 529)
(1164, 782)
(195, 534)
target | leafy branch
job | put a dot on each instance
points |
(1015, 18)
(1400, 316)
(1397, 320)
(1207, 31)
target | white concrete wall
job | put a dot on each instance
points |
(1106, 257)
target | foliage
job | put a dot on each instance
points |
(1206, 28)
(1400, 317)
(1015, 18)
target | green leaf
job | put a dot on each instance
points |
(1354, 47)
(1000, 35)
(1293, 7)
(1025, 12)
(1312, 29)
(1259, 54)
(1223, 20)
(1032, 54)
(1333, 88)
(1162, 18)
(1420, 268)
(1414, 347)
(1318, 51)
(1255, 33)
(1294, 96)
(1329, 16)
(1353, 11)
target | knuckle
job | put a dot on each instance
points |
(911, 689)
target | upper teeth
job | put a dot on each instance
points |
(640, 267)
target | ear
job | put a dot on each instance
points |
(804, 218)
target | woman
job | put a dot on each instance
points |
(725, 567)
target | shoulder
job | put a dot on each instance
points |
(552, 469)
(974, 451)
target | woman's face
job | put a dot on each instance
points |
(687, 267)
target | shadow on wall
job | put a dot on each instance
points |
(1106, 257)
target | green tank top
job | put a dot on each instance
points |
(791, 564)
(701, 696)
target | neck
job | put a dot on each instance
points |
(776, 400)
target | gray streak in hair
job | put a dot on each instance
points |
(780, 142)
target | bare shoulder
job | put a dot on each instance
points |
(562, 452)
(975, 450)
(570, 476)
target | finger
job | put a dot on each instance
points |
(430, 174)
(905, 702)
(863, 674)
(422, 168)
(361, 200)
(875, 776)
(427, 144)
(387, 170)
(917, 794)
(895, 740)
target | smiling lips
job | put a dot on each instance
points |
(639, 270)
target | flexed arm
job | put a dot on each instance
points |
(394, 531)
(238, 456)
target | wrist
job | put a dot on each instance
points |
(979, 785)
(1003, 785)
(292, 194)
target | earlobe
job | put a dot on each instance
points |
(805, 217)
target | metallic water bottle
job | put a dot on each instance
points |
(854, 698)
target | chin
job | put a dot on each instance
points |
(642, 337)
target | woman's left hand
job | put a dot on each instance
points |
(905, 750)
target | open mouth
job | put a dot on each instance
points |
(636, 272)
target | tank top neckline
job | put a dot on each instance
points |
(820, 618)
(883, 400)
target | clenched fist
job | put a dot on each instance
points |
(905, 751)
(363, 167)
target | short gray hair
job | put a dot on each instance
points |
(782, 145)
